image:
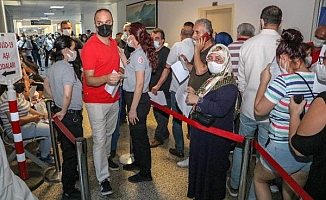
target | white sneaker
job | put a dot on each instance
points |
(184, 164)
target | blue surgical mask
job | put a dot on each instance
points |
(156, 44)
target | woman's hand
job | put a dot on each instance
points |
(190, 90)
(36, 118)
(60, 115)
(191, 99)
(132, 117)
(265, 75)
(296, 109)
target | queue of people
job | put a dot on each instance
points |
(218, 77)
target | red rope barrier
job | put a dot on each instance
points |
(64, 130)
(212, 130)
(238, 138)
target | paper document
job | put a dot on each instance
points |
(179, 71)
(112, 89)
(181, 96)
(159, 98)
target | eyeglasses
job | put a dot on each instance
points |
(321, 59)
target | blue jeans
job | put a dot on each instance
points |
(116, 133)
(247, 127)
(177, 125)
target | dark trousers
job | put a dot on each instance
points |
(73, 121)
(162, 119)
(138, 132)
(47, 55)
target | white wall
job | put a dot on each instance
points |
(172, 14)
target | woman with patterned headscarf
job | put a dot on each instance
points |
(215, 101)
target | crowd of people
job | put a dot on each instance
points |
(269, 72)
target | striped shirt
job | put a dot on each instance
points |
(279, 93)
(23, 108)
(234, 49)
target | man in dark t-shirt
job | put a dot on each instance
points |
(162, 119)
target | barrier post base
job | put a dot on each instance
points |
(126, 159)
(52, 175)
(35, 180)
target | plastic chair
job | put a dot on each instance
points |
(5, 133)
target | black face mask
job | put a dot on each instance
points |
(104, 30)
(19, 87)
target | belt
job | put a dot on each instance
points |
(79, 112)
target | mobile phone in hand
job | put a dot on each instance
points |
(206, 36)
(298, 99)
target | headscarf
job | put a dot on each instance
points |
(222, 78)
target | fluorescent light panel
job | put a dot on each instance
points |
(48, 13)
(57, 7)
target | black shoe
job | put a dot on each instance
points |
(131, 167)
(106, 188)
(139, 178)
(113, 153)
(176, 153)
(112, 165)
(73, 195)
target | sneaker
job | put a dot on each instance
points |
(139, 178)
(184, 163)
(175, 152)
(106, 188)
(73, 195)
(112, 165)
(233, 192)
(48, 160)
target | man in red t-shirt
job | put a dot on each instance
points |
(317, 43)
(100, 58)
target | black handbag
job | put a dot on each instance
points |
(204, 119)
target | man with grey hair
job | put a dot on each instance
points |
(244, 32)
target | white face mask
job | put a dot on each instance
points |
(283, 71)
(308, 60)
(73, 57)
(321, 72)
(157, 44)
(194, 41)
(318, 42)
(66, 32)
(214, 67)
(129, 43)
(124, 36)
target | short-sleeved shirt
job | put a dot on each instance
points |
(103, 59)
(195, 81)
(279, 93)
(155, 77)
(138, 61)
(22, 104)
(60, 74)
(185, 47)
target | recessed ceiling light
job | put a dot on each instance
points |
(48, 13)
(44, 18)
(56, 7)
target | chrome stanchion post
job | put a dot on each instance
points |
(244, 168)
(81, 147)
(53, 174)
(127, 158)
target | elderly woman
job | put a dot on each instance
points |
(208, 155)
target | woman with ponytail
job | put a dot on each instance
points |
(138, 69)
(273, 99)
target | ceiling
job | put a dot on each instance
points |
(35, 9)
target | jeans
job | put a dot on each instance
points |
(37, 57)
(247, 127)
(162, 119)
(33, 129)
(74, 123)
(177, 125)
(116, 133)
(103, 119)
(138, 133)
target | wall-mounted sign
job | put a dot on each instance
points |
(41, 22)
